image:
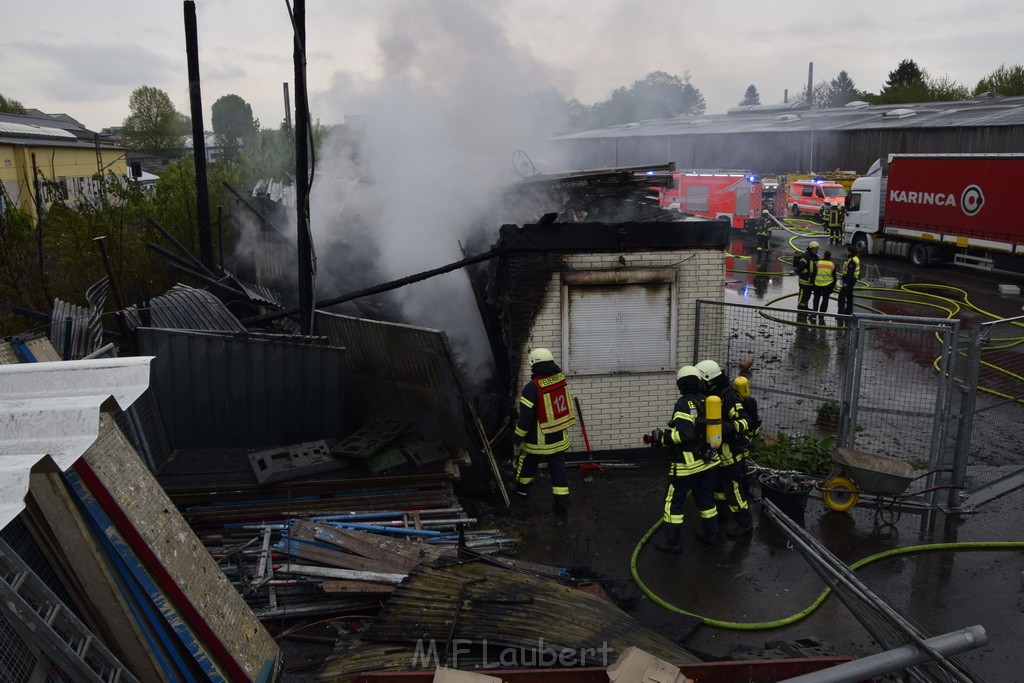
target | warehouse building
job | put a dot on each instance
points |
(792, 138)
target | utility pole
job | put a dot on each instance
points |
(304, 241)
(198, 136)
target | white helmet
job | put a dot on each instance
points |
(539, 356)
(708, 370)
(687, 371)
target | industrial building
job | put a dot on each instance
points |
(793, 138)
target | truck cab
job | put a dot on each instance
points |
(863, 208)
(809, 196)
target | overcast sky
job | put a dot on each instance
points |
(85, 58)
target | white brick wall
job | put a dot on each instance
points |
(618, 409)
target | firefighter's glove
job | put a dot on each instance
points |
(655, 438)
(728, 429)
(706, 453)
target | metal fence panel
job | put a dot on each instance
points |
(993, 401)
(889, 375)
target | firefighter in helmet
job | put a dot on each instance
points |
(764, 235)
(692, 465)
(805, 264)
(832, 217)
(736, 430)
(545, 414)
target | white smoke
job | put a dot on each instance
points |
(440, 125)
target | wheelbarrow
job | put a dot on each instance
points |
(856, 473)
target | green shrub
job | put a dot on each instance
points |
(803, 453)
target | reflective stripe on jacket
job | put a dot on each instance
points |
(826, 273)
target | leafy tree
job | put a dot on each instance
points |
(906, 83)
(909, 83)
(11, 106)
(946, 89)
(835, 93)
(232, 121)
(751, 96)
(1007, 81)
(658, 95)
(154, 126)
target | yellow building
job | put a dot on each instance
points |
(44, 159)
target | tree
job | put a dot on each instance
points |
(11, 106)
(906, 83)
(1007, 81)
(659, 95)
(751, 96)
(835, 93)
(232, 121)
(154, 126)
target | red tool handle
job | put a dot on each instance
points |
(583, 426)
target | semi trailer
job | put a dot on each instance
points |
(941, 208)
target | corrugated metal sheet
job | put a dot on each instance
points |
(53, 409)
(186, 308)
(222, 390)
(401, 372)
(21, 129)
(513, 611)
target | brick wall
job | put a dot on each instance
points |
(620, 408)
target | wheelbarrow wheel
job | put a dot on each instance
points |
(841, 494)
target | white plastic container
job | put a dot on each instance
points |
(1009, 290)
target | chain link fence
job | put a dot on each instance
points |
(902, 386)
(993, 457)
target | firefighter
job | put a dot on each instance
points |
(850, 273)
(764, 235)
(545, 414)
(832, 217)
(824, 283)
(805, 266)
(692, 465)
(736, 428)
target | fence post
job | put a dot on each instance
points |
(965, 421)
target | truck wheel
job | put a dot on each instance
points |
(795, 211)
(918, 255)
(860, 242)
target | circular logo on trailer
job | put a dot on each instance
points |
(971, 200)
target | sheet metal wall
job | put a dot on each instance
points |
(401, 372)
(221, 390)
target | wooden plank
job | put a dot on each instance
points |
(336, 573)
(73, 548)
(335, 558)
(361, 543)
(341, 586)
(220, 614)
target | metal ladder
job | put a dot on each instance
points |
(56, 631)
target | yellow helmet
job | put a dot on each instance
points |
(539, 356)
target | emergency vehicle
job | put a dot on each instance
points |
(736, 196)
(808, 196)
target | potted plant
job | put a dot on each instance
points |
(792, 464)
(828, 415)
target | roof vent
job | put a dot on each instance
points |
(900, 113)
(700, 122)
(634, 124)
(787, 117)
(856, 104)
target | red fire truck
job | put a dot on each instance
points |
(732, 195)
